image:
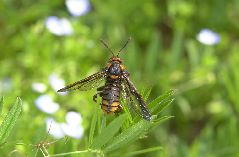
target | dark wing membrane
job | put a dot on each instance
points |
(88, 83)
(134, 99)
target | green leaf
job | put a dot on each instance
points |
(161, 119)
(108, 132)
(134, 132)
(144, 151)
(160, 106)
(142, 91)
(92, 127)
(99, 121)
(10, 120)
(126, 109)
(128, 135)
(163, 97)
(1, 104)
(146, 96)
(103, 122)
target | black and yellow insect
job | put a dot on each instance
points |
(117, 85)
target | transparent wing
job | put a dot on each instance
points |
(88, 83)
(134, 100)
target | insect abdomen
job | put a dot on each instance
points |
(110, 99)
(109, 108)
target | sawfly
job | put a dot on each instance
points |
(117, 84)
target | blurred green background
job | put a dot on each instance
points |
(165, 53)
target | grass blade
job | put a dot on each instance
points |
(160, 106)
(103, 122)
(127, 111)
(163, 97)
(1, 104)
(108, 132)
(10, 120)
(144, 151)
(134, 132)
(92, 127)
(129, 135)
(162, 119)
(146, 96)
(99, 121)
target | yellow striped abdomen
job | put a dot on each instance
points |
(109, 107)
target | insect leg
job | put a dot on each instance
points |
(99, 93)
(120, 108)
(100, 88)
(96, 95)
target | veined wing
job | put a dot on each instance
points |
(134, 99)
(88, 83)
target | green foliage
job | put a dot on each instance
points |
(164, 54)
(144, 151)
(117, 134)
(1, 104)
(93, 127)
(108, 132)
(161, 102)
(132, 134)
(10, 120)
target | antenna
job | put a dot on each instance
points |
(104, 43)
(126, 43)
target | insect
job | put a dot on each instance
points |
(117, 84)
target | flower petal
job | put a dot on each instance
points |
(208, 37)
(38, 87)
(45, 104)
(5, 85)
(57, 83)
(54, 128)
(58, 26)
(73, 118)
(78, 7)
(75, 131)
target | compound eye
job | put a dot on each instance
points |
(114, 69)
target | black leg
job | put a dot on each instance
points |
(100, 88)
(95, 96)
(120, 108)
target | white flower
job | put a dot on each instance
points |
(73, 118)
(75, 131)
(78, 7)
(54, 128)
(72, 128)
(39, 87)
(57, 83)
(5, 85)
(208, 37)
(58, 26)
(46, 104)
